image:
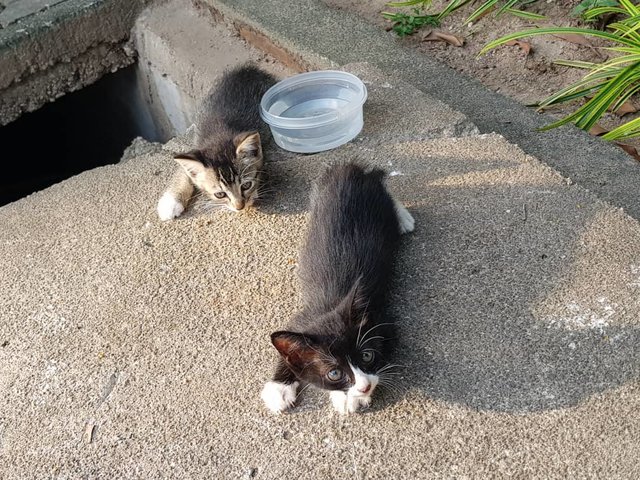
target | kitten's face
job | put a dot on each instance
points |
(353, 361)
(229, 175)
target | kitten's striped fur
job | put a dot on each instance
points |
(226, 165)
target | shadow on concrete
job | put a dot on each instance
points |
(472, 279)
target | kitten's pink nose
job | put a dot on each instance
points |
(238, 204)
(365, 389)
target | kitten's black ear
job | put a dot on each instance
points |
(295, 348)
(191, 163)
(248, 145)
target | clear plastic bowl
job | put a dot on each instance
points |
(314, 111)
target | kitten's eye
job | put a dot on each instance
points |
(220, 194)
(334, 375)
(246, 185)
(368, 356)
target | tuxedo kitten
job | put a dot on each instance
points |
(341, 340)
(226, 164)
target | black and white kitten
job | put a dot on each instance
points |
(226, 164)
(341, 340)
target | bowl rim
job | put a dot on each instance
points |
(319, 120)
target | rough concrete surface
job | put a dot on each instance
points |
(399, 110)
(133, 348)
(320, 37)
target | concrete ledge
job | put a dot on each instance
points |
(61, 49)
(325, 38)
(396, 111)
(138, 348)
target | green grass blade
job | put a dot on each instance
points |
(630, 7)
(625, 31)
(618, 61)
(591, 112)
(481, 10)
(567, 97)
(574, 91)
(451, 7)
(504, 8)
(625, 97)
(555, 30)
(631, 50)
(523, 14)
(576, 64)
(409, 3)
(598, 11)
(628, 130)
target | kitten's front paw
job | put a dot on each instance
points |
(169, 207)
(279, 397)
(405, 219)
(344, 404)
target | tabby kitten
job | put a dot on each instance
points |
(341, 340)
(227, 162)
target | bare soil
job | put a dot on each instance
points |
(526, 78)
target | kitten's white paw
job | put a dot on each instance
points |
(406, 221)
(169, 207)
(279, 397)
(345, 404)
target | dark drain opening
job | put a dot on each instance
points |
(79, 131)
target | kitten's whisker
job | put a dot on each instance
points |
(387, 382)
(392, 384)
(389, 373)
(302, 390)
(262, 191)
(393, 388)
(374, 327)
(389, 367)
(369, 339)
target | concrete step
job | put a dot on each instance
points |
(517, 300)
(183, 51)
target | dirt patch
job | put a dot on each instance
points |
(527, 78)
(508, 70)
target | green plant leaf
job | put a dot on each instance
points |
(481, 10)
(588, 5)
(451, 7)
(628, 130)
(409, 3)
(597, 12)
(523, 14)
(606, 86)
(553, 30)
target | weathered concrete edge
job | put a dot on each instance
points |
(61, 79)
(63, 49)
(311, 35)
